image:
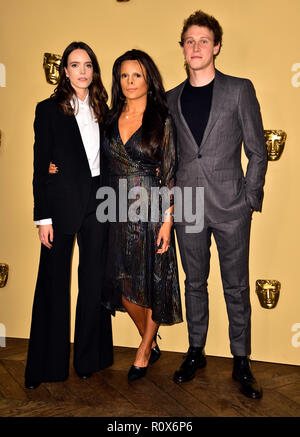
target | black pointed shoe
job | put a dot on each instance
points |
(31, 385)
(195, 359)
(136, 372)
(155, 351)
(242, 373)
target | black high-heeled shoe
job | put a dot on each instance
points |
(136, 372)
(155, 351)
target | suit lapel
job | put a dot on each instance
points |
(219, 91)
(74, 132)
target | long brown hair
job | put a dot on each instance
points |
(64, 92)
(156, 110)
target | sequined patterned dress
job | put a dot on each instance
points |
(134, 269)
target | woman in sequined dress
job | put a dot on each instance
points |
(142, 275)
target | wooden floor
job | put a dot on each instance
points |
(107, 393)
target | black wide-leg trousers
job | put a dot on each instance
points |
(49, 344)
(232, 241)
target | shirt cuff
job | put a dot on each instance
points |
(43, 222)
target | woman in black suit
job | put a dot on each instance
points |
(67, 132)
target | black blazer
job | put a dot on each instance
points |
(62, 196)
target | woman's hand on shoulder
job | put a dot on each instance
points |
(52, 168)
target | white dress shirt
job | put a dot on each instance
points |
(90, 135)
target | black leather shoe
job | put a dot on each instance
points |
(242, 373)
(155, 351)
(31, 385)
(195, 359)
(84, 375)
(136, 372)
(155, 354)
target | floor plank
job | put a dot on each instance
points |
(211, 394)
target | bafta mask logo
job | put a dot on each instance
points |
(296, 77)
(296, 337)
(3, 274)
(51, 66)
(275, 141)
(268, 291)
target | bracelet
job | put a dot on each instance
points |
(169, 213)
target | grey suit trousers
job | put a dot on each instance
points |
(232, 241)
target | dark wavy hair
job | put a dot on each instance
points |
(64, 91)
(156, 110)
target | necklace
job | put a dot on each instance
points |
(134, 115)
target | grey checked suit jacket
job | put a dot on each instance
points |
(234, 119)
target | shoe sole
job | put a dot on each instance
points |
(135, 378)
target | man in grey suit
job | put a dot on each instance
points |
(214, 114)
